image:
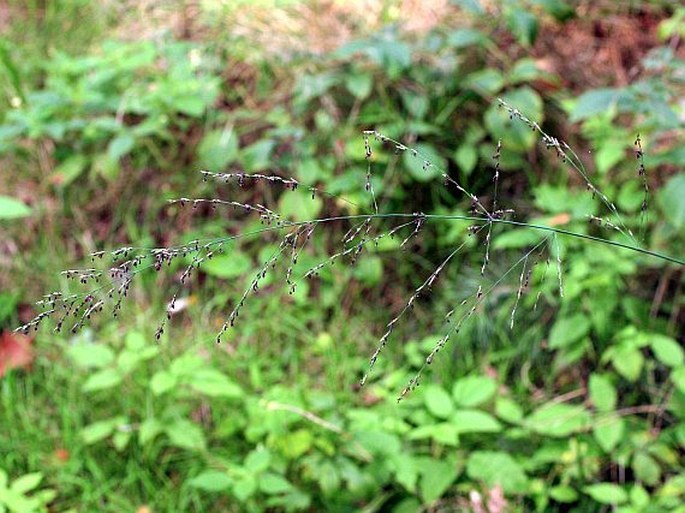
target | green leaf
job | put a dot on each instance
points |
(602, 393)
(425, 165)
(69, 170)
(475, 421)
(26, 483)
(119, 146)
(607, 493)
(272, 484)
(227, 266)
(628, 362)
(609, 432)
(678, 378)
(438, 401)
(245, 488)
(639, 497)
(91, 355)
(509, 410)
(101, 380)
(257, 156)
(523, 25)
(466, 158)
(148, 430)
(596, 101)
(11, 208)
(487, 81)
(464, 37)
(213, 383)
(473, 390)
(646, 468)
(258, 460)
(568, 330)
(435, 483)
(497, 468)
(162, 382)
(517, 136)
(369, 270)
(564, 494)
(186, 435)
(558, 420)
(99, 430)
(211, 481)
(218, 149)
(298, 205)
(667, 350)
(359, 84)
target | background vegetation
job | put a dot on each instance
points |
(108, 112)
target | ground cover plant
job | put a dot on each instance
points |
(358, 233)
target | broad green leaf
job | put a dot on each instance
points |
(211, 481)
(497, 468)
(646, 468)
(101, 380)
(473, 390)
(667, 350)
(231, 265)
(568, 330)
(257, 156)
(523, 24)
(258, 460)
(464, 37)
(298, 205)
(425, 164)
(11, 208)
(148, 430)
(67, 171)
(628, 362)
(162, 381)
(487, 81)
(369, 270)
(639, 497)
(609, 432)
(558, 420)
(186, 435)
(359, 84)
(607, 493)
(438, 401)
(564, 494)
(466, 158)
(27, 482)
(272, 484)
(678, 378)
(218, 149)
(91, 355)
(602, 392)
(475, 421)
(435, 483)
(213, 383)
(509, 410)
(595, 101)
(515, 134)
(120, 146)
(99, 430)
(245, 488)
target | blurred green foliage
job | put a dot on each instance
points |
(579, 407)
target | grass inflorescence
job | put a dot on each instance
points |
(115, 270)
